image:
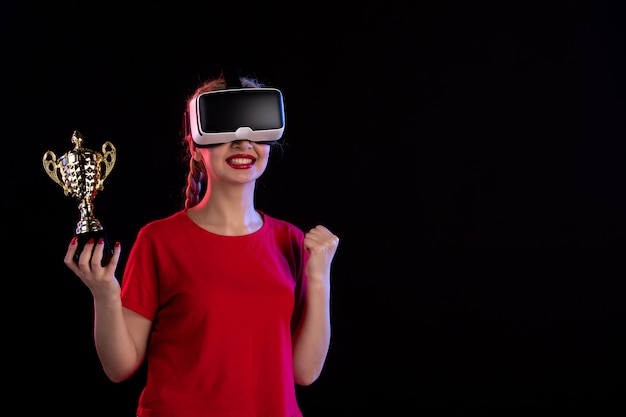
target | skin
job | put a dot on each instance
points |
(121, 335)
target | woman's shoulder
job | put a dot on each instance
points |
(171, 222)
(277, 224)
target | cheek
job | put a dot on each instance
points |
(263, 156)
(261, 162)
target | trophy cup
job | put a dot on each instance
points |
(81, 172)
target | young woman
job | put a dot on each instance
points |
(228, 305)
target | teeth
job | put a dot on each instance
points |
(241, 161)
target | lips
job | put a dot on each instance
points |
(241, 161)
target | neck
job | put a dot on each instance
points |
(228, 211)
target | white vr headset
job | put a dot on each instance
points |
(254, 114)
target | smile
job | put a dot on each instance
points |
(240, 161)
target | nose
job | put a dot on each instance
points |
(242, 143)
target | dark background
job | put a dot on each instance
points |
(471, 158)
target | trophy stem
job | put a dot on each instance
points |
(87, 222)
(88, 227)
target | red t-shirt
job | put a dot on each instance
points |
(223, 309)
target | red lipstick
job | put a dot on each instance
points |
(241, 161)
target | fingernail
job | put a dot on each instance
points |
(117, 244)
(90, 242)
(74, 240)
(100, 241)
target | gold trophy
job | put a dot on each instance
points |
(81, 172)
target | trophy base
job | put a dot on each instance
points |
(83, 238)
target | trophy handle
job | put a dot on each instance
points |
(108, 157)
(50, 166)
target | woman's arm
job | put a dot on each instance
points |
(120, 335)
(312, 336)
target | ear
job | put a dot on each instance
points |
(195, 153)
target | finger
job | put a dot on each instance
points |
(84, 260)
(71, 251)
(115, 256)
(323, 235)
(320, 237)
(98, 253)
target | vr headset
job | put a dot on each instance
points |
(254, 114)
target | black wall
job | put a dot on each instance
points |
(470, 157)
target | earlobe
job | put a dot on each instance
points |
(197, 156)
